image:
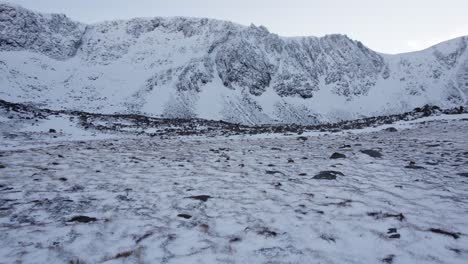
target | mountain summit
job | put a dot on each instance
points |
(196, 67)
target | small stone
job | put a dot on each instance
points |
(388, 259)
(235, 239)
(412, 165)
(444, 232)
(186, 216)
(82, 219)
(391, 129)
(52, 130)
(337, 155)
(202, 198)
(327, 175)
(372, 153)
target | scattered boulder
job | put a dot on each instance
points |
(290, 160)
(186, 216)
(395, 236)
(380, 215)
(82, 219)
(124, 254)
(327, 175)
(444, 232)
(412, 165)
(2, 166)
(337, 155)
(202, 198)
(52, 130)
(302, 138)
(388, 259)
(272, 172)
(391, 129)
(372, 153)
(235, 239)
(267, 232)
(328, 238)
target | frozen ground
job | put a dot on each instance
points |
(242, 199)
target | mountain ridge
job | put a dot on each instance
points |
(196, 67)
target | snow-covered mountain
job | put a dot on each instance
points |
(191, 67)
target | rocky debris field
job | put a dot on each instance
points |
(133, 124)
(393, 196)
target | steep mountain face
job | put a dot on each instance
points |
(188, 67)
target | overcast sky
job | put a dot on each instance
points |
(390, 26)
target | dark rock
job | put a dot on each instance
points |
(464, 174)
(380, 215)
(63, 179)
(395, 236)
(388, 259)
(372, 153)
(123, 198)
(82, 219)
(456, 250)
(391, 230)
(391, 129)
(328, 238)
(271, 172)
(414, 167)
(235, 239)
(124, 254)
(345, 146)
(267, 232)
(302, 138)
(302, 174)
(446, 233)
(186, 216)
(290, 160)
(52, 130)
(2, 166)
(202, 198)
(337, 155)
(327, 175)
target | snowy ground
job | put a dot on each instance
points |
(239, 199)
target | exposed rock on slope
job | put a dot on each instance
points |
(190, 67)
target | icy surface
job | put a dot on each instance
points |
(239, 200)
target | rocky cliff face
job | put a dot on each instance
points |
(187, 67)
(53, 35)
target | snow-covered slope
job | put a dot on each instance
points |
(190, 67)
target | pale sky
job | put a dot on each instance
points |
(389, 26)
